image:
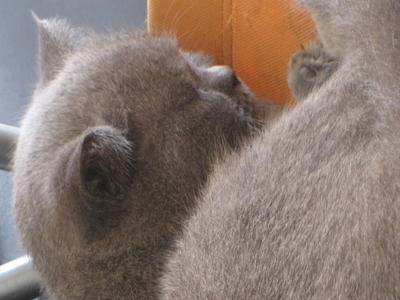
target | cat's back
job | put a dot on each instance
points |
(300, 213)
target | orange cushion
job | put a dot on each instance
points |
(255, 37)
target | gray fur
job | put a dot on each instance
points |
(309, 69)
(119, 138)
(310, 209)
(56, 41)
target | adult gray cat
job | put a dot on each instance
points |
(119, 138)
(311, 209)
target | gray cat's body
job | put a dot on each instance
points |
(311, 209)
(119, 138)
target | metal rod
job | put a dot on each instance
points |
(18, 281)
(8, 140)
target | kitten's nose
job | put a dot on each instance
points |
(222, 77)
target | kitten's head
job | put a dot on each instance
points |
(120, 136)
(129, 123)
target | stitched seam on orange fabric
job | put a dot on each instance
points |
(233, 32)
(227, 32)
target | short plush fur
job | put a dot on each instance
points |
(120, 136)
(309, 69)
(311, 208)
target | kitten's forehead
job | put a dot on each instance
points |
(144, 55)
(129, 76)
(137, 64)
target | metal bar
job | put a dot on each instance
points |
(18, 281)
(8, 140)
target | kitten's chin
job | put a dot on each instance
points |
(236, 138)
(251, 109)
(248, 122)
(258, 113)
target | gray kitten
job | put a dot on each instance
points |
(119, 138)
(311, 208)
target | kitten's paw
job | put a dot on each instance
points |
(309, 69)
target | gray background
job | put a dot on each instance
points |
(18, 48)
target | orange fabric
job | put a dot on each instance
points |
(255, 37)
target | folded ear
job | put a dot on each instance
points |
(107, 166)
(56, 41)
